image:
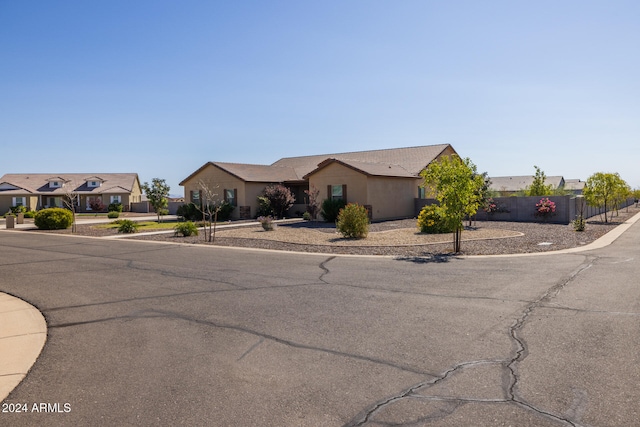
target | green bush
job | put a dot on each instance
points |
(579, 224)
(331, 209)
(53, 219)
(431, 220)
(29, 214)
(113, 214)
(306, 216)
(115, 207)
(264, 207)
(18, 209)
(185, 229)
(127, 226)
(226, 209)
(353, 221)
(189, 212)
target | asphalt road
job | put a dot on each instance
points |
(144, 334)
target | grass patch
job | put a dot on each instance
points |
(144, 225)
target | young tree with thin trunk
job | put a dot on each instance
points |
(210, 207)
(158, 195)
(71, 199)
(457, 186)
(603, 190)
(538, 186)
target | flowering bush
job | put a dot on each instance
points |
(491, 206)
(266, 222)
(431, 220)
(545, 208)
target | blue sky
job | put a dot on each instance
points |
(161, 87)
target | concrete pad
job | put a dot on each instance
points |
(23, 332)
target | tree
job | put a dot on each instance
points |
(71, 199)
(457, 186)
(96, 205)
(603, 190)
(313, 202)
(210, 207)
(158, 194)
(280, 199)
(538, 187)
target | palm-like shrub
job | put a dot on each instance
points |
(127, 226)
(186, 229)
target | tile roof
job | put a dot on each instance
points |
(38, 183)
(411, 159)
(372, 169)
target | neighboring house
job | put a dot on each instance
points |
(574, 186)
(387, 181)
(512, 185)
(37, 191)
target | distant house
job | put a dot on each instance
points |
(387, 181)
(512, 185)
(37, 191)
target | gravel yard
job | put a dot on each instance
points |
(401, 238)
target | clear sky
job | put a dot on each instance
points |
(160, 87)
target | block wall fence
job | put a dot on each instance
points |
(523, 209)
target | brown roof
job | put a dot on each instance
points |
(38, 183)
(412, 159)
(371, 169)
(395, 162)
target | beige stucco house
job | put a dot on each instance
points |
(387, 182)
(37, 191)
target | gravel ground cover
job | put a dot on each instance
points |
(400, 238)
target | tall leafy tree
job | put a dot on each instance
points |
(158, 195)
(538, 186)
(457, 186)
(604, 190)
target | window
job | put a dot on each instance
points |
(195, 197)
(116, 199)
(338, 192)
(19, 201)
(93, 183)
(230, 196)
(55, 184)
(421, 193)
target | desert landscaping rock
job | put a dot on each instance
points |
(399, 238)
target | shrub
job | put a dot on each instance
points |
(431, 220)
(331, 209)
(545, 209)
(96, 204)
(189, 212)
(280, 199)
(53, 219)
(226, 209)
(162, 211)
(30, 214)
(306, 216)
(579, 223)
(353, 221)
(186, 229)
(266, 222)
(18, 209)
(115, 207)
(264, 207)
(113, 214)
(127, 226)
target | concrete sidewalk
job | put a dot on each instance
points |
(23, 332)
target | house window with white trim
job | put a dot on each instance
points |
(93, 184)
(19, 201)
(337, 192)
(55, 184)
(116, 199)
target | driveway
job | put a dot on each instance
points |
(144, 333)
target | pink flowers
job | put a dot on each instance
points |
(545, 208)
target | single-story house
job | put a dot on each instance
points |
(38, 190)
(387, 181)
